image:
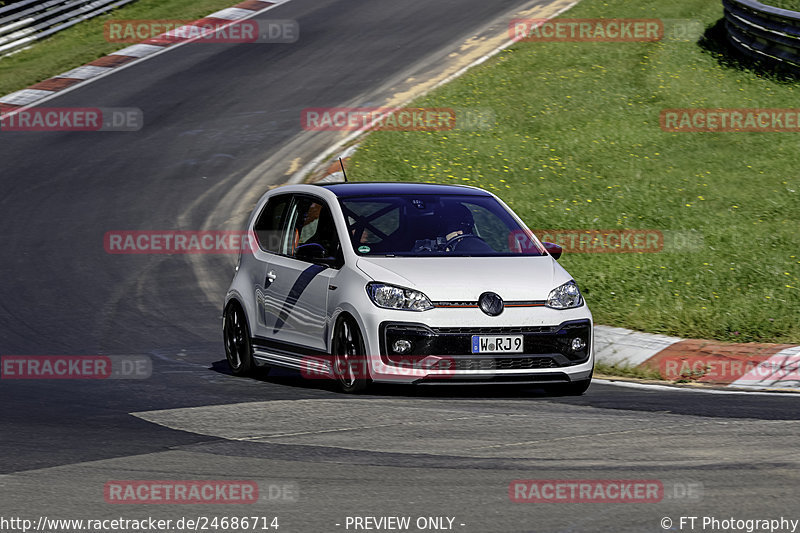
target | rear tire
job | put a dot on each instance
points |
(350, 364)
(236, 335)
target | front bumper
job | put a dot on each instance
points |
(443, 355)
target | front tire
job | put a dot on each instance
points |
(236, 335)
(350, 364)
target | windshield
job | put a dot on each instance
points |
(426, 225)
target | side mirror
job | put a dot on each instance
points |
(310, 252)
(314, 253)
(553, 249)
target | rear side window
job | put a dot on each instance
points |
(269, 225)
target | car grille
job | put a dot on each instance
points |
(504, 363)
(544, 346)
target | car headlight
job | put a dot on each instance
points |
(565, 296)
(391, 297)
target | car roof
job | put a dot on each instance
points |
(350, 189)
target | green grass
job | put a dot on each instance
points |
(85, 42)
(627, 371)
(577, 144)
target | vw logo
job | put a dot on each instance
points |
(490, 303)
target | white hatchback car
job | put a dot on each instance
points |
(404, 282)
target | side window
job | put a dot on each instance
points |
(269, 225)
(310, 221)
(310, 226)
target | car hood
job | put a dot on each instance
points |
(466, 278)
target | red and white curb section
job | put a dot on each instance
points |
(779, 370)
(737, 365)
(61, 83)
(627, 348)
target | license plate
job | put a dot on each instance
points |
(497, 344)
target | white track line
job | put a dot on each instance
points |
(647, 386)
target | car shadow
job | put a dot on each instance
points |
(290, 378)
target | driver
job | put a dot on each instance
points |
(456, 230)
(459, 228)
(457, 220)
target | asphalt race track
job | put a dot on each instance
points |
(213, 114)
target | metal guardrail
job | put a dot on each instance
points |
(26, 21)
(764, 32)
